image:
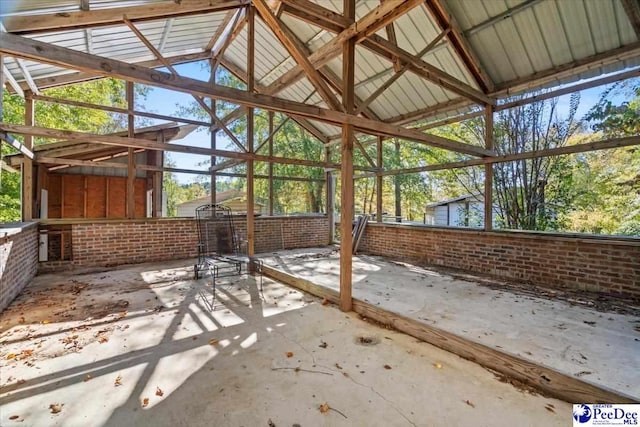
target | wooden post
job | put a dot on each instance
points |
(250, 136)
(488, 170)
(396, 183)
(27, 165)
(157, 180)
(331, 189)
(271, 116)
(131, 170)
(214, 134)
(346, 166)
(379, 181)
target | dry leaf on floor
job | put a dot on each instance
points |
(123, 314)
(10, 356)
(470, 403)
(22, 320)
(549, 408)
(325, 301)
(323, 344)
(338, 366)
(44, 322)
(213, 342)
(289, 354)
(118, 381)
(159, 392)
(56, 407)
(324, 408)
(14, 417)
(103, 340)
(387, 367)
(145, 402)
(87, 378)
(438, 365)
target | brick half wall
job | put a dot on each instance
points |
(18, 259)
(109, 243)
(599, 264)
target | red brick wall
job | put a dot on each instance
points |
(18, 259)
(582, 262)
(106, 243)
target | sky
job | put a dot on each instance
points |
(163, 101)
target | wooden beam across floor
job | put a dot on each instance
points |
(44, 52)
(548, 381)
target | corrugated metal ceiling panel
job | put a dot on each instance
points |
(542, 36)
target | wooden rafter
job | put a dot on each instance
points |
(11, 80)
(79, 77)
(460, 44)
(111, 16)
(399, 73)
(373, 21)
(57, 55)
(304, 123)
(384, 48)
(297, 50)
(173, 71)
(431, 72)
(165, 34)
(27, 76)
(239, 22)
(221, 29)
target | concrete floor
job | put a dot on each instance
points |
(601, 347)
(139, 346)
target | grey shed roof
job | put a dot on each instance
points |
(520, 45)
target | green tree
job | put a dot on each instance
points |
(108, 92)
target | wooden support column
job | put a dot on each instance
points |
(271, 114)
(346, 166)
(27, 165)
(379, 180)
(396, 184)
(1, 88)
(131, 170)
(156, 186)
(214, 132)
(331, 189)
(251, 12)
(488, 170)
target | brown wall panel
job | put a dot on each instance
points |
(96, 196)
(73, 194)
(54, 189)
(117, 197)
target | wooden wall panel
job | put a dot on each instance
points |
(73, 196)
(140, 197)
(117, 197)
(96, 196)
(92, 196)
(54, 188)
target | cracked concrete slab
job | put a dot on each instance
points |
(601, 347)
(140, 346)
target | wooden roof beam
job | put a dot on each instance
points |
(460, 44)
(399, 73)
(173, 71)
(11, 80)
(367, 25)
(60, 56)
(111, 16)
(387, 50)
(155, 145)
(222, 28)
(298, 51)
